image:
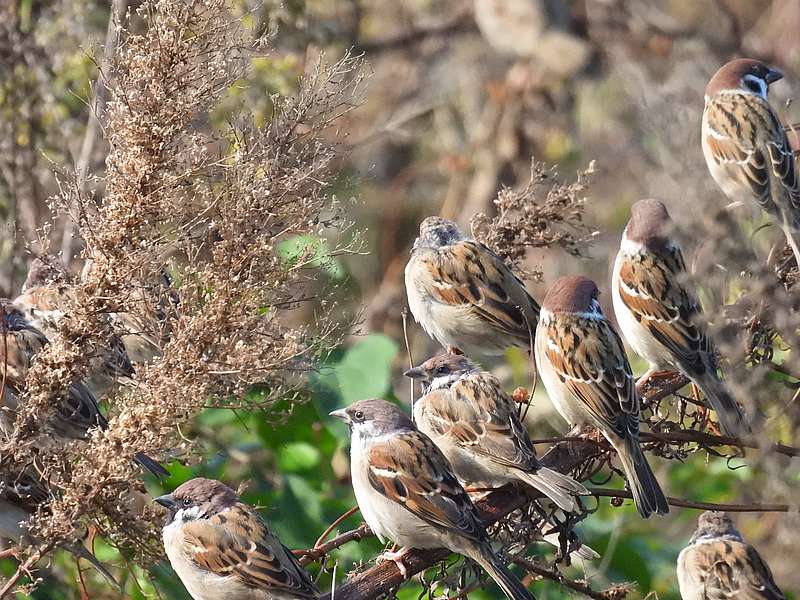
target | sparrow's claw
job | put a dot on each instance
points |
(454, 350)
(396, 558)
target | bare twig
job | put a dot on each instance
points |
(612, 493)
(23, 569)
(615, 592)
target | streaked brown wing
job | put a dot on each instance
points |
(253, 555)
(734, 142)
(409, 469)
(592, 364)
(732, 570)
(503, 438)
(468, 274)
(652, 289)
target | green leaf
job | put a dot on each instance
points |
(299, 456)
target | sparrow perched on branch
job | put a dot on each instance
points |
(45, 300)
(475, 424)
(20, 499)
(464, 295)
(719, 565)
(746, 147)
(76, 412)
(407, 492)
(584, 369)
(659, 316)
(221, 548)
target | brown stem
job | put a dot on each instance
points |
(333, 525)
(354, 535)
(616, 592)
(682, 503)
(23, 569)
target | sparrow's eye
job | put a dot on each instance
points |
(187, 502)
(358, 415)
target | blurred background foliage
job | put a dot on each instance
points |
(461, 96)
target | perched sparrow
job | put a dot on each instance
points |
(719, 565)
(408, 493)
(659, 316)
(584, 369)
(221, 548)
(78, 410)
(464, 295)
(475, 424)
(20, 499)
(746, 147)
(45, 300)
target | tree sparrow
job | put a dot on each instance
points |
(78, 410)
(475, 424)
(44, 301)
(464, 295)
(746, 147)
(221, 548)
(719, 565)
(407, 492)
(657, 313)
(584, 369)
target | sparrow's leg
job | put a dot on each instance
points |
(397, 558)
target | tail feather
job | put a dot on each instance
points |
(560, 488)
(647, 493)
(731, 418)
(151, 465)
(81, 551)
(508, 582)
(585, 552)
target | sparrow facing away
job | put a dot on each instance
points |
(221, 548)
(584, 369)
(20, 499)
(659, 316)
(745, 146)
(476, 426)
(407, 492)
(719, 565)
(78, 410)
(464, 295)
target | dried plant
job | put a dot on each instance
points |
(211, 208)
(546, 213)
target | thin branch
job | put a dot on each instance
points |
(707, 439)
(614, 592)
(23, 569)
(354, 535)
(682, 503)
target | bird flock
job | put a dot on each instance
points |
(415, 478)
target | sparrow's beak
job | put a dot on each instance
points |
(167, 501)
(773, 75)
(340, 414)
(415, 373)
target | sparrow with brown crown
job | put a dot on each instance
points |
(659, 316)
(464, 295)
(586, 373)
(719, 565)
(407, 492)
(221, 548)
(745, 146)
